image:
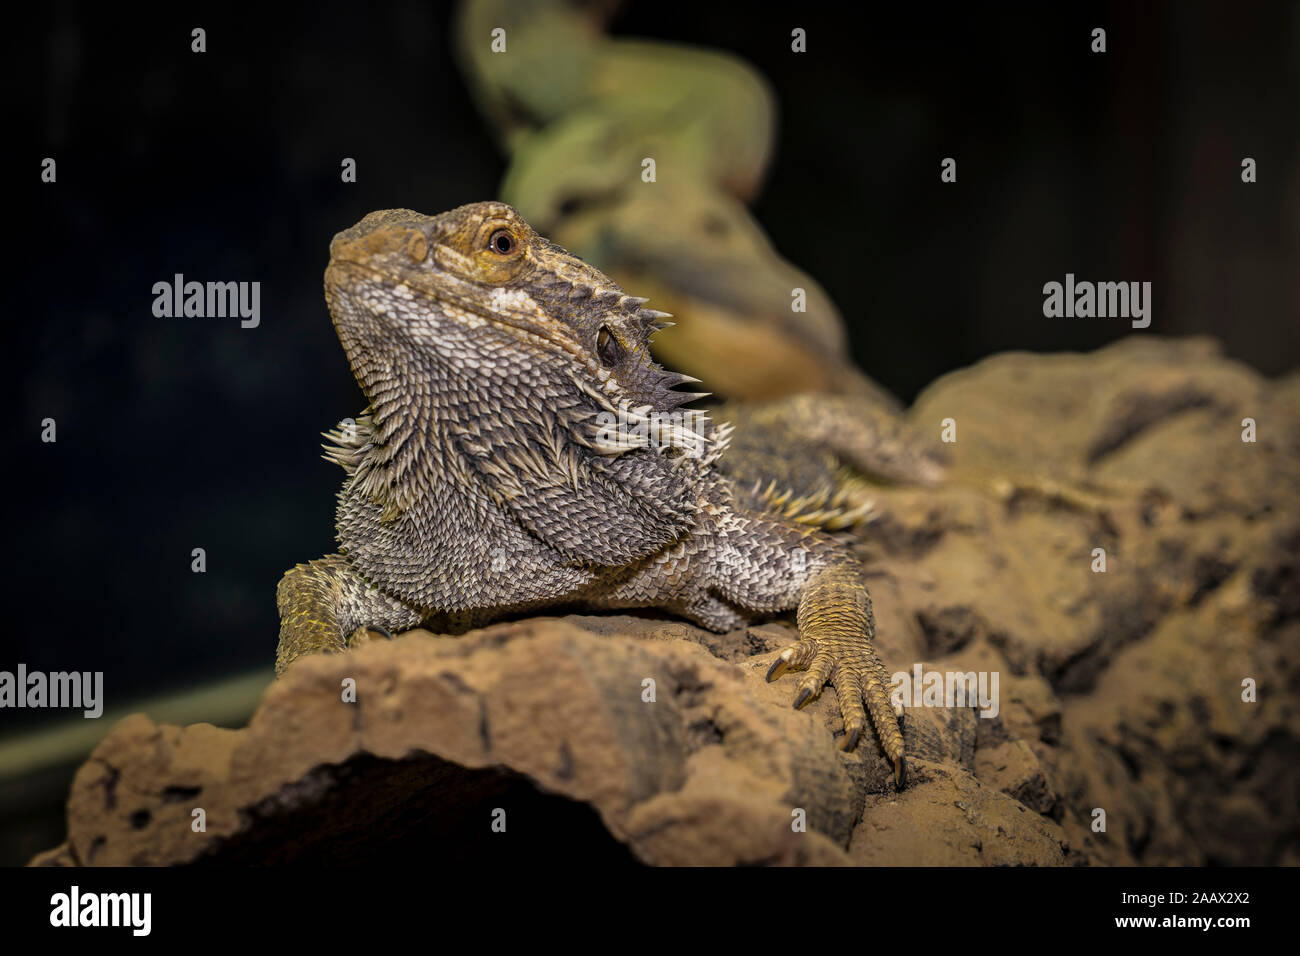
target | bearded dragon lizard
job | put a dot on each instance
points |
(504, 464)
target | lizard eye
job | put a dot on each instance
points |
(607, 347)
(502, 242)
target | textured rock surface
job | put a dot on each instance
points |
(1118, 691)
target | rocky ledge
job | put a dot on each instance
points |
(1155, 696)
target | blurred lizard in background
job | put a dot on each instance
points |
(578, 112)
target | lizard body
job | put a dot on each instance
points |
(503, 465)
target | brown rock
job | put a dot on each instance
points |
(1121, 691)
(950, 819)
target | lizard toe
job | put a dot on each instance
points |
(819, 671)
(849, 688)
(795, 657)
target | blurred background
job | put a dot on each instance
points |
(175, 434)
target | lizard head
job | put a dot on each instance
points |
(477, 289)
(479, 342)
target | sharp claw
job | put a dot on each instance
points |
(781, 664)
(802, 698)
(851, 739)
(900, 772)
(379, 630)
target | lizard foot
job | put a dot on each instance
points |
(860, 682)
(321, 600)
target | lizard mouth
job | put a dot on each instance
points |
(349, 279)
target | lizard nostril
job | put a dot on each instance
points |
(417, 247)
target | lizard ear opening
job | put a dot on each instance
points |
(608, 348)
(417, 247)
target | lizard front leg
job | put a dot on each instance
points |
(766, 564)
(837, 630)
(326, 606)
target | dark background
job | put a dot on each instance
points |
(183, 433)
